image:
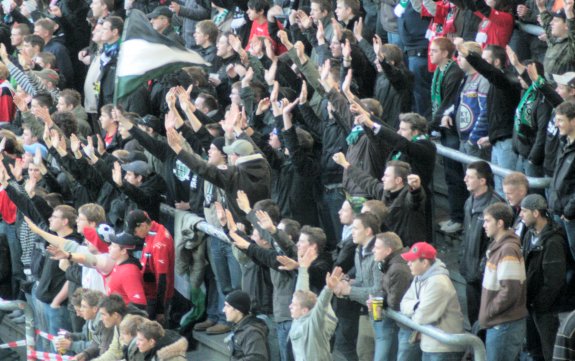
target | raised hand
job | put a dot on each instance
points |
(283, 36)
(358, 29)
(263, 106)
(307, 258)
(270, 74)
(532, 72)
(287, 264)
(332, 279)
(117, 174)
(339, 158)
(17, 169)
(303, 93)
(243, 202)
(175, 140)
(74, 143)
(414, 181)
(265, 221)
(30, 187)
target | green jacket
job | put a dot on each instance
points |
(560, 55)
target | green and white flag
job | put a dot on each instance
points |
(146, 54)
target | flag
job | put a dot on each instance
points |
(146, 54)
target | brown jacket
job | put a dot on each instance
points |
(396, 278)
(504, 289)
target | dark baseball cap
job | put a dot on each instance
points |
(160, 11)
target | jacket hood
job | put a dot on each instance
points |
(438, 268)
(171, 345)
(508, 237)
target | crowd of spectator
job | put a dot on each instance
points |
(308, 144)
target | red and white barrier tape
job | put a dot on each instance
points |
(13, 344)
(48, 356)
(45, 335)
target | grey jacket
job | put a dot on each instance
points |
(191, 13)
(368, 278)
(310, 334)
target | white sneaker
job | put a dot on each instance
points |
(443, 223)
(452, 227)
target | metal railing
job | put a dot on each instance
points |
(536, 183)
(454, 339)
(29, 328)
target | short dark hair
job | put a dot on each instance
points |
(130, 324)
(416, 121)
(92, 297)
(484, 171)
(291, 228)
(369, 220)
(271, 207)
(114, 304)
(68, 213)
(35, 40)
(378, 209)
(315, 236)
(567, 109)
(500, 211)
(400, 169)
(259, 5)
(67, 122)
(116, 23)
(44, 100)
(47, 58)
(210, 101)
(354, 5)
(76, 298)
(497, 53)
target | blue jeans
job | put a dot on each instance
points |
(530, 169)
(283, 329)
(15, 256)
(442, 356)
(386, 335)
(40, 319)
(503, 342)
(407, 351)
(569, 227)
(503, 156)
(331, 201)
(395, 39)
(228, 276)
(421, 85)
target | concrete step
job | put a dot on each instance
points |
(10, 331)
(212, 345)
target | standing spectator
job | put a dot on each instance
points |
(161, 19)
(431, 299)
(45, 29)
(561, 189)
(368, 280)
(191, 12)
(479, 181)
(515, 188)
(397, 277)
(111, 32)
(157, 261)
(206, 35)
(544, 253)
(444, 93)
(101, 9)
(503, 295)
(248, 339)
(7, 106)
(560, 54)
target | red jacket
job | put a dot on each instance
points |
(495, 29)
(158, 258)
(126, 281)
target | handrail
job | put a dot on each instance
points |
(453, 154)
(459, 339)
(29, 317)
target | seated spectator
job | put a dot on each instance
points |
(155, 343)
(249, 336)
(206, 35)
(128, 336)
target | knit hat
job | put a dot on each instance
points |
(534, 202)
(240, 301)
(219, 143)
(240, 147)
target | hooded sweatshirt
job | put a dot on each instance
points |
(431, 300)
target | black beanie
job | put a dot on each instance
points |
(240, 301)
(220, 142)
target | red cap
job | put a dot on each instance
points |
(419, 250)
(92, 236)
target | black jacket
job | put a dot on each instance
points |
(475, 241)
(251, 174)
(406, 215)
(502, 98)
(546, 266)
(562, 187)
(248, 340)
(449, 91)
